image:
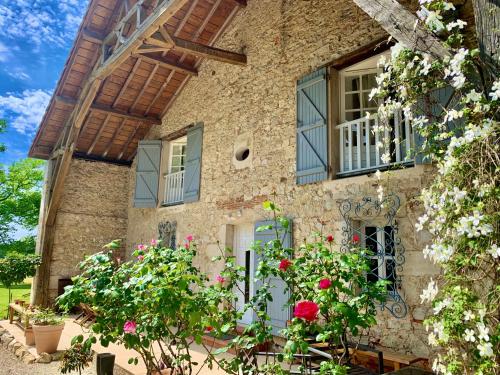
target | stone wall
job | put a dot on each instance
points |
(283, 40)
(93, 212)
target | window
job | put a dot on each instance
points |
(380, 241)
(358, 152)
(174, 178)
(177, 156)
(167, 231)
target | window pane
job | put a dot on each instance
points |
(352, 101)
(352, 83)
(390, 271)
(367, 103)
(373, 275)
(371, 239)
(349, 116)
(369, 81)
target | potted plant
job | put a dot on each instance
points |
(47, 329)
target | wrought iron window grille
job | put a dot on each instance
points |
(373, 220)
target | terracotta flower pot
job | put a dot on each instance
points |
(47, 338)
(29, 336)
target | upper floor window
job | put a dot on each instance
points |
(358, 138)
(174, 178)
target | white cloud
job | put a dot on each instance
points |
(25, 110)
(41, 21)
(4, 52)
(18, 74)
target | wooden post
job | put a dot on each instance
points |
(402, 25)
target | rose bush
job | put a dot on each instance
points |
(157, 300)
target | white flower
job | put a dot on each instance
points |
(375, 91)
(430, 293)
(495, 93)
(483, 332)
(442, 305)
(458, 23)
(433, 339)
(485, 349)
(433, 20)
(378, 175)
(494, 251)
(469, 335)
(448, 6)
(421, 221)
(482, 314)
(453, 115)
(473, 96)
(426, 66)
(396, 50)
(386, 158)
(469, 315)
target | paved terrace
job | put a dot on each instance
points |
(72, 329)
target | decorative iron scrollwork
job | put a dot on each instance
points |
(167, 231)
(373, 220)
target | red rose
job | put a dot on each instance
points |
(325, 284)
(284, 264)
(209, 328)
(355, 239)
(329, 238)
(307, 310)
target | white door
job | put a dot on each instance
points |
(243, 239)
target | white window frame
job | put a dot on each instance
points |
(368, 66)
(179, 141)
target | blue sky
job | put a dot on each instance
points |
(35, 39)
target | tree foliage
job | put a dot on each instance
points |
(20, 196)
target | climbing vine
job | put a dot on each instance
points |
(462, 205)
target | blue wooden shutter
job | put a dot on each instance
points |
(277, 309)
(147, 174)
(192, 173)
(436, 101)
(312, 128)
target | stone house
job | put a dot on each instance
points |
(181, 117)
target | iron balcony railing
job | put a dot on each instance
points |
(358, 143)
(174, 188)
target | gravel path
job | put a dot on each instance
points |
(11, 365)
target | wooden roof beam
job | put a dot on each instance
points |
(202, 50)
(169, 65)
(98, 135)
(98, 108)
(241, 3)
(92, 36)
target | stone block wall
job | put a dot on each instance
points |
(93, 212)
(283, 40)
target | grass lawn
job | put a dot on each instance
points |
(21, 291)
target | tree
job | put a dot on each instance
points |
(20, 196)
(14, 268)
(3, 127)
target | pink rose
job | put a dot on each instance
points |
(220, 279)
(142, 247)
(189, 238)
(355, 239)
(140, 258)
(154, 242)
(329, 238)
(284, 264)
(307, 310)
(325, 284)
(186, 245)
(129, 327)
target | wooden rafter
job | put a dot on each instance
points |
(99, 108)
(169, 65)
(126, 83)
(129, 139)
(242, 3)
(92, 36)
(160, 91)
(116, 112)
(99, 133)
(144, 87)
(115, 133)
